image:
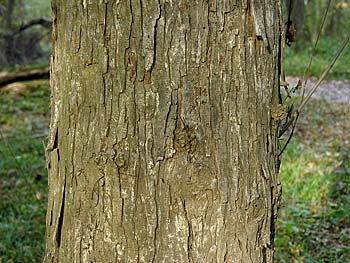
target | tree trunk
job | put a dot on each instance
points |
(162, 147)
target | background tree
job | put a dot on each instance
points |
(20, 42)
(307, 17)
(295, 10)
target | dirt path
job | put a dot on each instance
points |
(331, 90)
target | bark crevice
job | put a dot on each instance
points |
(166, 149)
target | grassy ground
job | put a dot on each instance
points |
(23, 180)
(297, 58)
(314, 222)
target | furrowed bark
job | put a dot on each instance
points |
(162, 146)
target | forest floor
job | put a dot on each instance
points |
(314, 221)
(330, 90)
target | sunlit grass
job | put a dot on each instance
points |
(23, 180)
(296, 59)
(314, 224)
(305, 176)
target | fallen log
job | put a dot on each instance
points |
(23, 75)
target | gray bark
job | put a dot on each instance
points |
(162, 147)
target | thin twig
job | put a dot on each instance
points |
(314, 50)
(290, 135)
(314, 88)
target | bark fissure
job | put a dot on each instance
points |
(60, 220)
(166, 149)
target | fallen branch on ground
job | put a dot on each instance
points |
(9, 77)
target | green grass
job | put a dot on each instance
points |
(296, 58)
(23, 180)
(314, 222)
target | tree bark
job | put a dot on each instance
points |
(162, 147)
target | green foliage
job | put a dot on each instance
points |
(37, 8)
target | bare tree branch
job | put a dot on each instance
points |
(43, 21)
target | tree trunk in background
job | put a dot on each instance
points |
(314, 12)
(9, 14)
(162, 147)
(21, 11)
(6, 41)
(297, 15)
(337, 20)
